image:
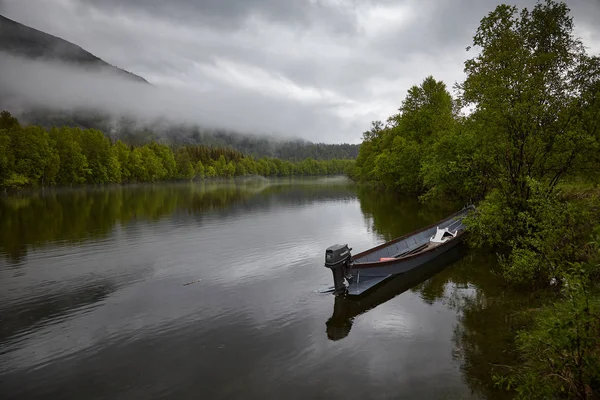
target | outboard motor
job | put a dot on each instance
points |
(337, 258)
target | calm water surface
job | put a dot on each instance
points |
(211, 291)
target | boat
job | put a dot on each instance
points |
(347, 308)
(356, 275)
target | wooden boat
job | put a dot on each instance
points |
(355, 275)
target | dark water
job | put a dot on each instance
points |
(95, 299)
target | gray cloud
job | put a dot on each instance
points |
(235, 14)
(334, 64)
(65, 87)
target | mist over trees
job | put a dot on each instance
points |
(31, 156)
(50, 82)
(133, 132)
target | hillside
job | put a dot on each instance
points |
(18, 39)
(22, 40)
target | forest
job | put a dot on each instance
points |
(520, 138)
(31, 156)
(134, 132)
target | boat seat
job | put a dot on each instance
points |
(441, 235)
(408, 250)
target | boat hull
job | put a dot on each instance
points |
(374, 266)
(403, 265)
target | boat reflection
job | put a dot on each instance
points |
(347, 308)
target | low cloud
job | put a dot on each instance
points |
(310, 114)
(317, 69)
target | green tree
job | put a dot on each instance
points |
(6, 157)
(249, 165)
(122, 153)
(36, 160)
(7, 121)
(455, 167)
(426, 112)
(396, 153)
(167, 159)
(221, 166)
(136, 165)
(369, 150)
(240, 170)
(154, 169)
(230, 169)
(97, 149)
(399, 165)
(210, 172)
(560, 352)
(185, 168)
(73, 167)
(531, 88)
(199, 170)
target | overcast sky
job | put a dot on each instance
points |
(318, 69)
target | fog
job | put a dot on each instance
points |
(26, 83)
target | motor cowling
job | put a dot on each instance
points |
(337, 258)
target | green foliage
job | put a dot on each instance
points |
(199, 170)
(395, 154)
(210, 172)
(6, 157)
(455, 168)
(122, 154)
(560, 352)
(534, 96)
(97, 150)
(153, 170)
(136, 165)
(185, 169)
(398, 166)
(533, 90)
(7, 121)
(73, 167)
(135, 133)
(538, 241)
(32, 156)
(16, 181)
(167, 160)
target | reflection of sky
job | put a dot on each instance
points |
(259, 271)
(223, 252)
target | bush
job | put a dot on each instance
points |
(561, 352)
(537, 241)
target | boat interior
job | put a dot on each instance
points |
(417, 243)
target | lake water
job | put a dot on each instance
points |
(211, 290)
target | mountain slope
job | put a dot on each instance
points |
(23, 40)
(18, 39)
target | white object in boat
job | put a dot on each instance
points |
(441, 235)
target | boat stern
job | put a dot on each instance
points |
(337, 259)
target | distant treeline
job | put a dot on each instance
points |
(132, 132)
(31, 156)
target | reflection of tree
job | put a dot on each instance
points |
(489, 312)
(392, 215)
(69, 216)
